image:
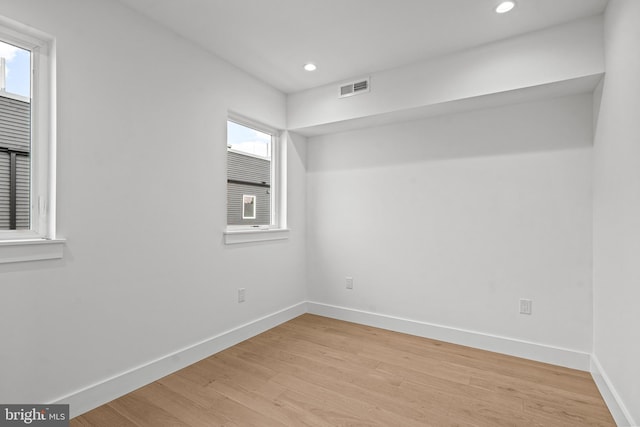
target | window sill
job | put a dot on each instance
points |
(232, 237)
(30, 250)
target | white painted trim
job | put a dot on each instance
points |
(514, 347)
(43, 126)
(91, 397)
(17, 97)
(279, 140)
(255, 235)
(619, 411)
(30, 250)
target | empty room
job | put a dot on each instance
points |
(319, 213)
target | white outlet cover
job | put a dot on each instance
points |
(349, 282)
(525, 306)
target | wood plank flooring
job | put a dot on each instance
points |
(315, 371)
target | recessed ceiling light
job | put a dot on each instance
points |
(310, 67)
(505, 6)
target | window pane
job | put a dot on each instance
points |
(248, 140)
(17, 70)
(15, 137)
(249, 191)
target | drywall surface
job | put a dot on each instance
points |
(141, 202)
(452, 220)
(553, 55)
(617, 209)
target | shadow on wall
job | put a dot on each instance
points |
(555, 124)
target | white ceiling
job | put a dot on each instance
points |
(273, 39)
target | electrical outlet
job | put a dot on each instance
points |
(349, 282)
(525, 306)
(241, 294)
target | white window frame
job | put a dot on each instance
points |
(40, 241)
(253, 202)
(277, 229)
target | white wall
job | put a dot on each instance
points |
(552, 55)
(617, 209)
(461, 215)
(451, 220)
(141, 200)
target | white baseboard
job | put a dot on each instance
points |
(109, 389)
(611, 397)
(528, 350)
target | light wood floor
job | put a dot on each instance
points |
(314, 371)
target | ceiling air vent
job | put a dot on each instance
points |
(354, 88)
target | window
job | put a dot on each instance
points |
(27, 143)
(248, 207)
(15, 137)
(254, 183)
